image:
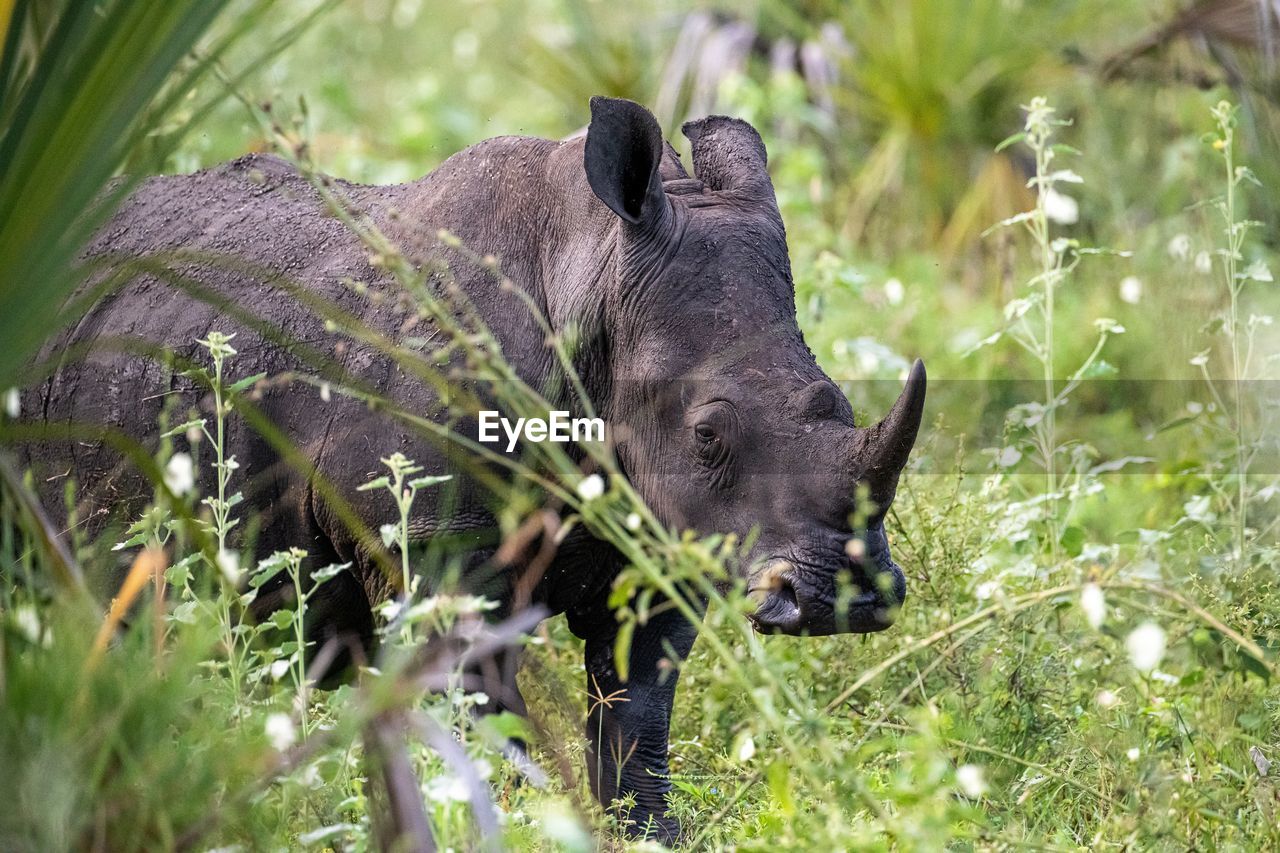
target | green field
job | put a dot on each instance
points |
(1068, 210)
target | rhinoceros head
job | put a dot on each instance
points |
(724, 420)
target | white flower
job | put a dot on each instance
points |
(229, 564)
(1146, 646)
(986, 589)
(591, 487)
(633, 521)
(12, 403)
(1106, 699)
(1131, 289)
(180, 474)
(970, 779)
(280, 731)
(1133, 753)
(1180, 247)
(1204, 263)
(279, 669)
(868, 362)
(746, 749)
(1008, 456)
(445, 788)
(1197, 509)
(27, 621)
(1093, 604)
(1060, 208)
(1200, 359)
(894, 291)
(325, 393)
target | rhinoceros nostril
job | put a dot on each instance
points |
(771, 579)
(787, 593)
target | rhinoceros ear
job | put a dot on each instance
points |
(623, 153)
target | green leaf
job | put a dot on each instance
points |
(283, 618)
(1011, 140)
(1100, 369)
(1072, 540)
(185, 613)
(623, 588)
(1249, 663)
(778, 778)
(380, 483)
(329, 572)
(424, 482)
(248, 382)
(182, 428)
(509, 726)
(622, 649)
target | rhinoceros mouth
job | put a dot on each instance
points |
(794, 601)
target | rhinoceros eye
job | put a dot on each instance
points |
(706, 433)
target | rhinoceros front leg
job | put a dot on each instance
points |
(628, 721)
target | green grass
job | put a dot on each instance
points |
(1002, 711)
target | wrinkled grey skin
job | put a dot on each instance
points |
(680, 288)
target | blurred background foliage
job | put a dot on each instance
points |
(882, 119)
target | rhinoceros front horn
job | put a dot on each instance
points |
(888, 444)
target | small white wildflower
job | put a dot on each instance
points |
(591, 487)
(633, 521)
(180, 474)
(391, 609)
(12, 403)
(445, 788)
(971, 780)
(894, 291)
(1094, 604)
(326, 394)
(279, 668)
(1146, 646)
(1133, 753)
(746, 749)
(1179, 247)
(1106, 699)
(310, 776)
(1059, 208)
(1200, 359)
(1008, 456)
(1204, 263)
(1197, 509)
(1108, 326)
(280, 731)
(229, 564)
(868, 362)
(1131, 289)
(27, 621)
(986, 590)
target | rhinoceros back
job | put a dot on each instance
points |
(243, 248)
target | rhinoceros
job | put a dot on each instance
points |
(679, 290)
